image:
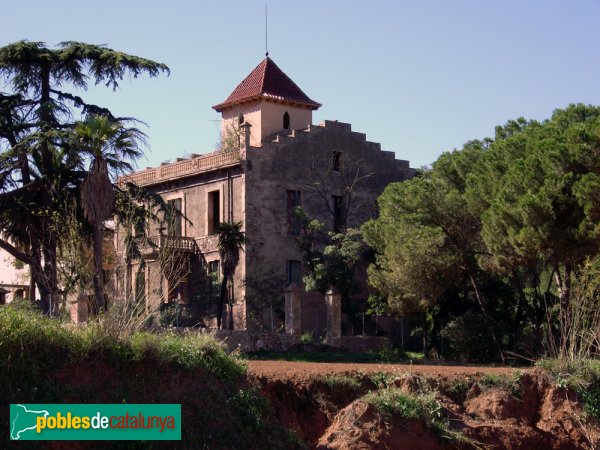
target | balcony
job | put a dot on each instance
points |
(183, 168)
(175, 243)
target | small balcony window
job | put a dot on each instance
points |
(293, 199)
(336, 161)
(286, 121)
(214, 211)
(293, 272)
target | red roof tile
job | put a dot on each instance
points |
(267, 81)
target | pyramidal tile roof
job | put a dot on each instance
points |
(267, 81)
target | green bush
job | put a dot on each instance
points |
(382, 380)
(468, 339)
(582, 376)
(29, 334)
(307, 338)
(392, 402)
(510, 383)
(252, 408)
(342, 382)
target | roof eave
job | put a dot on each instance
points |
(227, 105)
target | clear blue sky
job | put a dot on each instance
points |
(421, 77)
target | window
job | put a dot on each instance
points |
(213, 268)
(240, 119)
(292, 199)
(214, 277)
(140, 284)
(120, 281)
(286, 121)
(214, 211)
(293, 272)
(336, 161)
(174, 222)
(339, 213)
(139, 226)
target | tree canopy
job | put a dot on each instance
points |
(510, 208)
(40, 162)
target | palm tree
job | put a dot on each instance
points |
(36, 121)
(110, 144)
(231, 240)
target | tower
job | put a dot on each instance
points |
(269, 101)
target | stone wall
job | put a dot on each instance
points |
(250, 341)
(299, 161)
(364, 343)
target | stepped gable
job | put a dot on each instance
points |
(267, 81)
(289, 136)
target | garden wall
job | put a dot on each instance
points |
(250, 341)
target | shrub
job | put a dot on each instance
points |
(457, 389)
(251, 407)
(510, 383)
(307, 338)
(29, 334)
(468, 339)
(392, 402)
(342, 382)
(578, 338)
(382, 380)
(583, 377)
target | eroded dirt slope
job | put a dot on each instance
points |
(325, 405)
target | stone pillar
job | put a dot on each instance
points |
(79, 308)
(333, 299)
(244, 130)
(293, 309)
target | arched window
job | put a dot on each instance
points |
(286, 121)
(240, 119)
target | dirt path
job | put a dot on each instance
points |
(291, 370)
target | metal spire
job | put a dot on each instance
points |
(266, 33)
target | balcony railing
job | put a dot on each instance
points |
(198, 164)
(180, 243)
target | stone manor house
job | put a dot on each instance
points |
(272, 159)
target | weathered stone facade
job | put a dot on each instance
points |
(332, 172)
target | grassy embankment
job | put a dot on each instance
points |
(44, 361)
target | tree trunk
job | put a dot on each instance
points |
(32, 231)
(31, 286)
(50, 303)
(222, 296)
(98, 278)
(230, 327)
(521, 307)
(487, 319)
(231, 298)
(424, 336)
(563, 284)
(37, 277)
(48, 235)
